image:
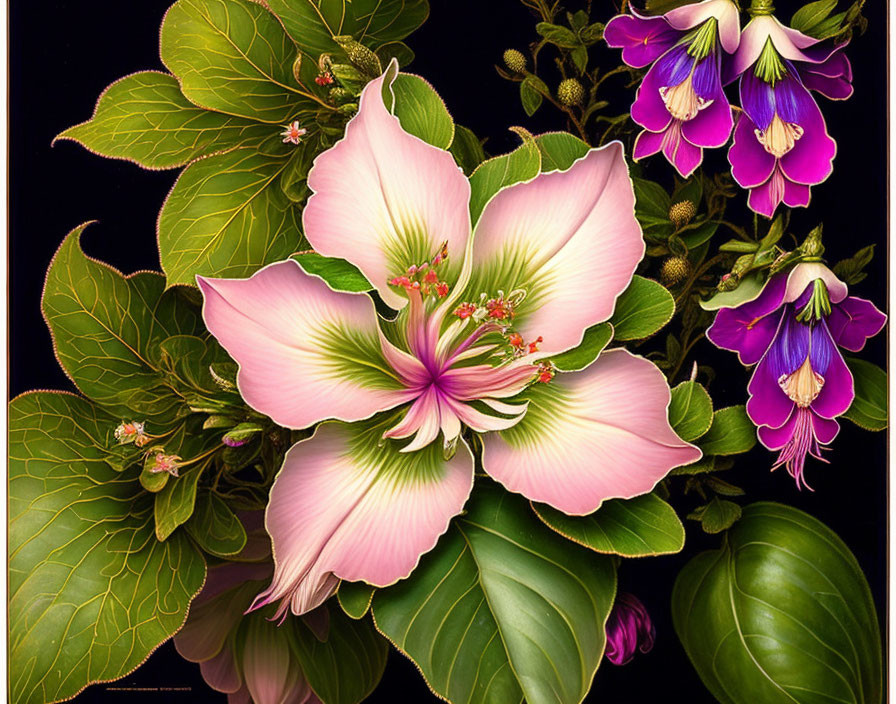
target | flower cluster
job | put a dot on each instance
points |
(794, 329)
(781, 145)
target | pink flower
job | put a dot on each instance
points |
(546, 261)
(293, 133)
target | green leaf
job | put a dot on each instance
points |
(381, 21)
(104, 326)
(559, 150)
(809, 16)
(491, 176)
(555, 34)
(175, 503)
(145, 118)
(186, 362)
(596, 338)
(347, 666)
(780, 614)
(869, 408)
(700, 234)
(421, 111)
(399, 51)
(731, 433)
(642, 309)
(747, 290)
(652, 205)
(503, 608)
(91, 592)
(466, 149)
(644, 525)
(226, 217)
(233, 56)
(851, 271)
(532, 92)
(339, 274)
(293, 179)
(661, 7)
(355, 598)
(690, 412)
(717, 515)
(214, 527)
(580, 58)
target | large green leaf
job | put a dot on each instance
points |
(214, 527)
(92, 593)
(645, 525)
(595, 339)
(522, 164)
(145, 118)
(869, 408)
(346, 667)
(559, 150)
(503, 609)
(731, 433)
(421, 111)
(642, 309)
(227, 217)
(233, 56)
(355, 598)
(104, 326)
(781, 613)
(381, 21)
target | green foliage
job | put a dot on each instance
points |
(731, 433)
(690, 411)
(642, 309)
(638, 527)
(339, 274)
(421, 111)
(532, 92)
(522, 164)
(559, 150)
(355, 598)
(467, 149)
(747, 290)
(780, 613)
(226, 217)
(596, 338)
(852, 270)
(869, 408)
(502, 609)
(717, 515)
(92, 593)
(104, 327)
(215, 527)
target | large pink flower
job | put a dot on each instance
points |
(481, 310)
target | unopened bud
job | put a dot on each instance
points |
(570, 92)
(682, 213)
(514, 60)
(361, 57)
(675, 270)
(241, 434)
(812, 246)
(297, 69)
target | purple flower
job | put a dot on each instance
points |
(794, 330)
(629, 628)
(680, 104)
(781, 143)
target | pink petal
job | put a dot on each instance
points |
(271, 675)
(725, 11)
(384, 199)
(804, 273)
(285, 329)
(220, 672)
(570, 239)
(589, 436)
(349, 505)
(647, 144)
(239, 697)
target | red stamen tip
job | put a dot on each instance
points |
(465, 310)
(442, 289)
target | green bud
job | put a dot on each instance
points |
(675, 270)
(360, 56)
(570, 92)
(812, 246)
(515, 61)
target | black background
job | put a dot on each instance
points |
(63, 54)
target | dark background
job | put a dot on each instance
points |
(63, 54)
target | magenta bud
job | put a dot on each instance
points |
(629, 629)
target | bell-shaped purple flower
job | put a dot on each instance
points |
(680, 104)
(629, 629)
(794, 330)
(781, 143)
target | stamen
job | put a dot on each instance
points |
(131, 432)
(803, 443)
(164, 463)
(465, 310)
(546, 372)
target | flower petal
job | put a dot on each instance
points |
(642, 39)
(349, 505)
(790, 43)
(384, 199)
(306, 352)
(713, 124)
(853, 321)
(804, 273)
(726, 12)
(570, 239)
(220, 672)
(751, 165)
(649, 110)
(683, 155)
(750, 328)
(811, 160)
(271, 674)
(589, 436)
(838, 391)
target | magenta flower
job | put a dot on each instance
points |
(680, 104)
(794, 329)
(781, 143)
(629, 629)
(479, 316)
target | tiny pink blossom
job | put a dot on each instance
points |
(293, 133)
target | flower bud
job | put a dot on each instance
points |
(514, 60)
(675, 270)
(629, 629)
(359, 55)
(682, 213)
(297, 69)
(570, 92)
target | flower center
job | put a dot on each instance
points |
(682, 100)
(802, 386)
(779, 137)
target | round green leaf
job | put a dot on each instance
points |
(869, 408)
(421, 111)
(747, 290)
(645, 525)
(559, 150)
(642, 309)
(503, 609)
(731, 433)
(780, 614)
(690, 411)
